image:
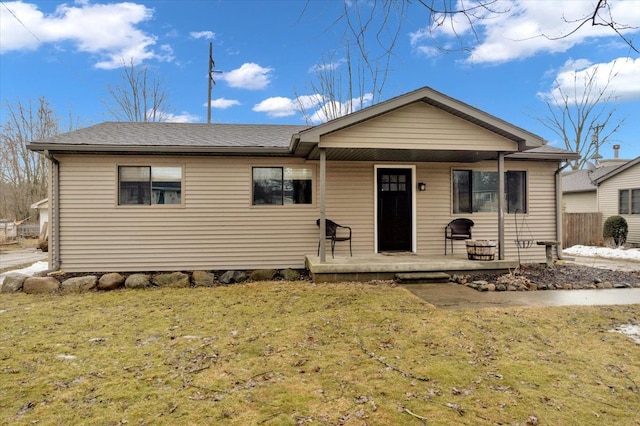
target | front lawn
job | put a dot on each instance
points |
(298, 353)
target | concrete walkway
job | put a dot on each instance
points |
(459, 297)
(14, 258)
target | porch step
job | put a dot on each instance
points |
(422, 277)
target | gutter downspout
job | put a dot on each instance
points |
(55, 212)
(558, 182)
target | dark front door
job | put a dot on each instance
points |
(394, 210)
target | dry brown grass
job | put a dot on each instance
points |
(295, 353)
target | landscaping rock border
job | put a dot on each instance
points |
(60, 282)
(536, 277)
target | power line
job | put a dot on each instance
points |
(20, 21)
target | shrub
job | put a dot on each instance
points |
(615, 227)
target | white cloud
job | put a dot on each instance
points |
(183, 117)
(207, 35)
(518, 31)
(222, 103)
(277, 106)
(249, 76)
(108, 31)
(334, 109)
(315, 106)
(325, 66)
(621, 77)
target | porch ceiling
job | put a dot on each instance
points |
(400, 155)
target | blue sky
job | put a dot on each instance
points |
(268, 51)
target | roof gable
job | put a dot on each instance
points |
(618, 170)
(525, 139)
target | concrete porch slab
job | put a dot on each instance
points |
(385, 267)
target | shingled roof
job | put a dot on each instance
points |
(585, 180)
(129, 136)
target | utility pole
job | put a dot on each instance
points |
(212, 65)
(595, 140)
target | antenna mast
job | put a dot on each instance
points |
(212, 65)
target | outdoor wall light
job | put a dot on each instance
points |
(422, 186)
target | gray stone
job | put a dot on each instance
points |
(232, 277)
(13, 282)
(202, 278)
(174, 279)
(289, 274)
(263, 274)
(110, 281)
(79, 284)
(37, 285)
(137, 281)
(501, 287)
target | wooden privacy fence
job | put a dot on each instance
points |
(581, 228)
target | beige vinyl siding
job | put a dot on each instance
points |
(608, 199)
(418, 126)
(435, 210)
(216, 228)
(580, 202)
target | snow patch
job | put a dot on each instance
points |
(633, 331)
(28, 271)
(605, 252)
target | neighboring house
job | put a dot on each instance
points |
(43, 213)
(619, 194)
(171, 196)
(579, 193)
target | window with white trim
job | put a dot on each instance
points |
(149, 185)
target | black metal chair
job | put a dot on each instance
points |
(332, 234)
(457, 229)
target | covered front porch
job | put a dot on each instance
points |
(382, 266)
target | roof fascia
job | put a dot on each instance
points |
(551, 156)
(190, 150)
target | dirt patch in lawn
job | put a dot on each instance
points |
(562, 276)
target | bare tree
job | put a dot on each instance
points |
(139, 96)
(575, 114)
(23, 173)
(338, 87)
(600, 17)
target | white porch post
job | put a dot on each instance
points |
(323, 193)
(501, 205)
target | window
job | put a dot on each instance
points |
(393, 183)
(282, 185)
(475, 191)
(629, 201)
(146, 185)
